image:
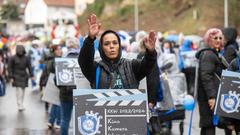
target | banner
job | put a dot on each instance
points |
(68, 73)
(110, 112)
(228, 100)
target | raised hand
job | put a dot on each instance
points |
(93, 26)
(150, 41)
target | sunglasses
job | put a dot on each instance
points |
(216, 38)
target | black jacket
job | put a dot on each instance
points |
(234, 65)
(210, 66)
(230, 51)
(131, 71)
(19, 68)
(231, 45)
(153, 81)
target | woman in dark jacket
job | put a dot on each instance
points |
(210, 68)
(19, 68)
(115, 72)
(231, 45)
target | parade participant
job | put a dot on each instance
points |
(50, 68)
(66, 92)
(115, 72)
(210, 68)
(234, 123)
(19, 68)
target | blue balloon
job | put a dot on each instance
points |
(188, 102)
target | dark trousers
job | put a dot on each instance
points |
(208, 131)
(190, 78)
(66, 112)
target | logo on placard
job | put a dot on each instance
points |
(89, 123)
(65, 76)
(230, 102)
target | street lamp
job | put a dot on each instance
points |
(136, 15)
(225, 13)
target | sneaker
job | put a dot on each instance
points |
(57, 127)
(49, 125)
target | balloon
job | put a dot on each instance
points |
(189, 102)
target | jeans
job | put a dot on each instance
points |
(66, 112)
(54, 115)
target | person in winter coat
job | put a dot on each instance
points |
(115, 72)
(231, 45)
(20, 69)
(210, 68)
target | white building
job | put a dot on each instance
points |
(46, 11)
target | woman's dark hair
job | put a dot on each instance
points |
(107, 32)
(54, 47)
(171, 46)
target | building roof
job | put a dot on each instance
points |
(67, 3)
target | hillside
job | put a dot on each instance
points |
(163, 15)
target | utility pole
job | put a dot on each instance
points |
(225, 13)
(136, 15)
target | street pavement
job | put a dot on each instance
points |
(33, 120)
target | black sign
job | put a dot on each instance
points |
(68, 72)
(228, 100)
(110, 112)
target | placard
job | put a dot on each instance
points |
(228, 95)
(110, 112)
(68, 72)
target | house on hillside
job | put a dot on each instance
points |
(42, 14)
(50, 11)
